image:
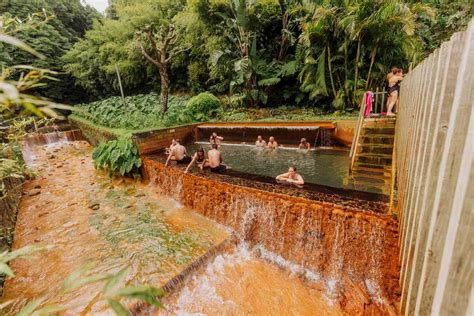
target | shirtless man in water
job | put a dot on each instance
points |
(214, 139)
(214, 158)
(272, 143)
(291, 177)
(180, 154)
(260, 142)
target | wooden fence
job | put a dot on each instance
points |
(434, 180)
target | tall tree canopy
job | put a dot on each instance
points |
(112, 41)
(267, 52)
(68, 22)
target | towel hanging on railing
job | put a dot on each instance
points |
(368, 99)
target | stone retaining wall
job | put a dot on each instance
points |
(344, 132)
(156, 140)
(93, 134)
(9, 203)
(8, 211)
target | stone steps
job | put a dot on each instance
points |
(358, 165)
(385, 149)
(373, 160)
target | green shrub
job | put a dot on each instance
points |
(120, 155)
(177, 114)
(203, 106)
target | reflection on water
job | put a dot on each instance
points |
(89, 219)
(240, 283)
(330, 169)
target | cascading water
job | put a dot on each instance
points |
(336, 257)
(319, 237)
(239, 282)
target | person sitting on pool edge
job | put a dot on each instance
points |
(200, 158)
(304, 144)
(291, 177)
(260, 142)
(214, 158)
(214, 139)
(272, 144)
(180, 154)
(170, 149)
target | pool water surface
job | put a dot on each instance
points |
(318, 167)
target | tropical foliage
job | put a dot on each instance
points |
(67, 21)
(118, 156)
(112, 290)
(135, 112)
(268, 52)
(349, 46)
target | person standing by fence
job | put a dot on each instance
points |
(394, 78)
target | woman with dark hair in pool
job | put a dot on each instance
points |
(200, 158)
(291, 177)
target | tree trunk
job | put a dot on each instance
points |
(330, 72)
(165, 89)
(356, 72)
(372, 61)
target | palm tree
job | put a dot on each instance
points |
(353, 43)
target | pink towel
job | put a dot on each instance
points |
(368, 96)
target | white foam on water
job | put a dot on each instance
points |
(374, 290)
(204, 291)
(294, 268)
(258, 148)
(267, 127)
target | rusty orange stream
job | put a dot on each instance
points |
(88, 219)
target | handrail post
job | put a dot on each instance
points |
(355, 140)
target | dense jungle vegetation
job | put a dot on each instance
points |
(317, 55)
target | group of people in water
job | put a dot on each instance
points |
(214, 161)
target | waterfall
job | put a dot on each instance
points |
(336, 261)
(325, 137)
(331, 241)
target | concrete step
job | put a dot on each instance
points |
(376, 145)
(359, 165)
(372, 172)
(375, 160)
(367, 177)
(375, 155)
(377, 139)
(386, 149)
(388, 130)
(359, 168)
(382, 187)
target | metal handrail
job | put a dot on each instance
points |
(355, 140)
(360, 123)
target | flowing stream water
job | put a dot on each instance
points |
(88, 219)
(241, 283)
(85, 218)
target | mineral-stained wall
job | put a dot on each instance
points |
(335, 242)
